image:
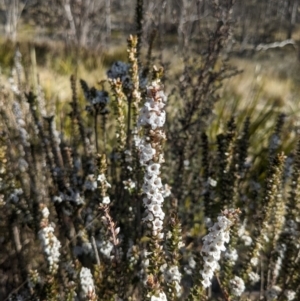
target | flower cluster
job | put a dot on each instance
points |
(152, 116)
(161, 297)
(290, 295)
(105, 247)
(173, 276)
(152, 112)
(213, 244)
(86, 281)
(104, 185)
(231, 255)
(237, 286)
(253, 277)
(49, 242)
(281, 253)
(72, 196)
(146, 151)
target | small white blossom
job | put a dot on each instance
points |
(161, 297)
(290, 295)
(86, 281)
(213, 244)
(129, 184)
(247, 240)
(254, 277)
(106, 200)
(172, 275)
(101, 178)
(51, 246)
(105, 247)
(212, 182)
(237, 286)
(231, 255)
(254, 261)
(45, 212)
(153, 169)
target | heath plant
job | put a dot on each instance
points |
(122, 202)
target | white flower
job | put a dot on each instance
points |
(149, 217)
(213, 244)
(78, 199)
(247, 240)
(254, 261)
(210, 263)
(149, 189)
(58, 199)
(277, 266)
(153, 169)
(152, 105)
(161, 297)
(157, 225)
(152, 114)
(129, 184)
(207, 272)
(155, 181)
(212, 182)
(86, 281)
(290, 295)
(231, 255)
(157, 121)
(156, 210)
(206, 282)
(253, 277)
(186, 163)
(218, 243)
(45, 212)
(101, 178)
(51, 246)
(172, 274)
(237, 286)
(105, 247)
(224, 222)
(106, 200)
(146, 152)
(157, 198)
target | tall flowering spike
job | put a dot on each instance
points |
(288, 243)
(134, 73)
(151, 119)
(265, 219)
(214, 243)
(51, 246)
(50, 243)
(87, 284)
(119, 105)
(103, 185)
(237, 286)
(173, 244)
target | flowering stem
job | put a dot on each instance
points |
(96, 129)
(223, 290)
